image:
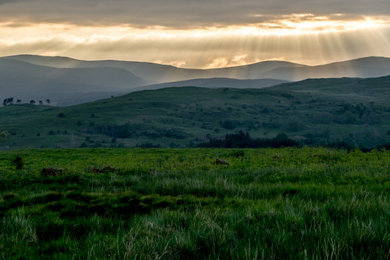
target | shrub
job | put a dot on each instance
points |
(230, 124)
(18, 162)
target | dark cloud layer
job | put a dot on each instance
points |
(179, 13)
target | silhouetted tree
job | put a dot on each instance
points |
(32, 102)
(8, 101)
(48, 101)
(40, 102)
(19, 101)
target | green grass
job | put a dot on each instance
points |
(309, 203)
(318, 111)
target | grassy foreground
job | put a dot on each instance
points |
(308, 203)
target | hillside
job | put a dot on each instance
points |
(26, 81)
(67, 81)
(313, 111)
(156, 73)
(216, 83)
(363, 68)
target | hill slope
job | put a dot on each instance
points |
(68, 81)
(217, 83)
(157, 73)
(312, 111)
(363, 68)
(26, 81)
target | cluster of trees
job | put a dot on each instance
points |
(243, 140)
(129, 130)
(11, 101)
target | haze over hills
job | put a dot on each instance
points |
(315, 112)
(216, 83)
(68, 81)
(153, 73)
(27, 81)
(368, 67)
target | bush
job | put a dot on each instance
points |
(18, 162)
(230, 124)
(83, 145)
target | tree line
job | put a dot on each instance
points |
(13, 101)
(243, 140)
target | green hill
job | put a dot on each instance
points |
(318, 111)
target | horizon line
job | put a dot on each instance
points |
(193, 68)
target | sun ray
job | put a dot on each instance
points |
(302, 38)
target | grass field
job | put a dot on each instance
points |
(308, 203)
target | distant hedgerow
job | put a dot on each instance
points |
(243, 140)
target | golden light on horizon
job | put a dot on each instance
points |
(294, 37)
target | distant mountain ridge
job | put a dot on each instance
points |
(153, 73)
(67, 86)
(69, 81)
(216, 83)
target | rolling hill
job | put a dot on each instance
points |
(67, 81)
(314, 112)
(27, 82)
(216, 83)
(363, 68)
(153, 73)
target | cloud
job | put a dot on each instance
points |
(196, 33)
(12, 1)
(179, 13)
(210, 50)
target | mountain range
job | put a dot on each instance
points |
(68, 81)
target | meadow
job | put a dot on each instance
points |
(290, 203)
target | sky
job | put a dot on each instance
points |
(197, 33)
